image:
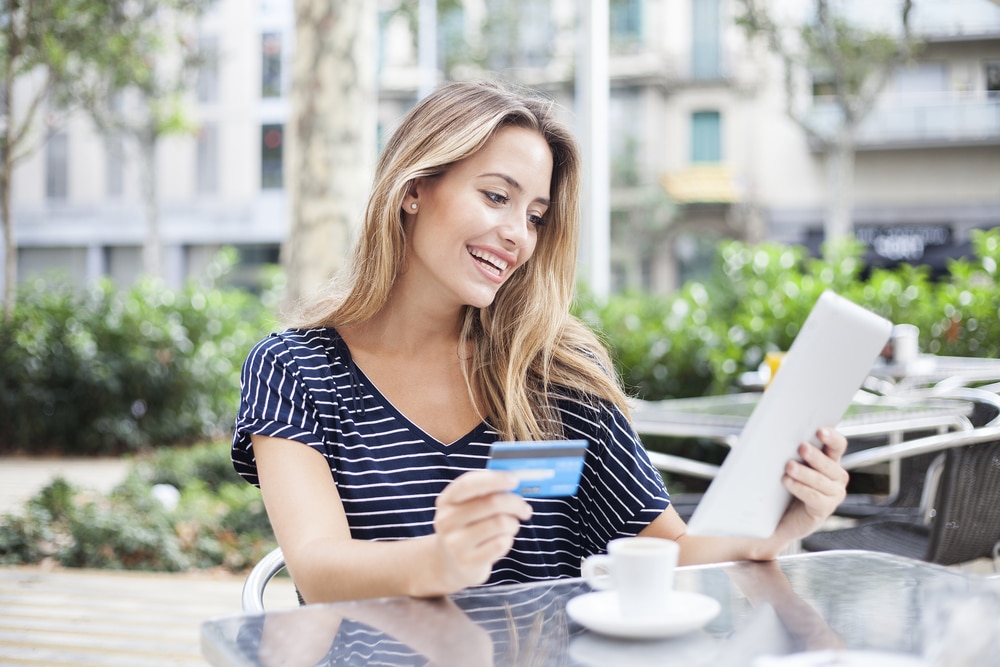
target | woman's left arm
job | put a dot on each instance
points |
(818, 484)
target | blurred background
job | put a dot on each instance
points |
(723, 119)
(173, 172)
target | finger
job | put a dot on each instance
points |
(834, 442)
(821, 460)
(819, 492)
(477, 536)
(456, 516)
(477, 483)
(483, 542)
(817, 470)
(816, 503)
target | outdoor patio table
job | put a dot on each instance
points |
(930, 369)
(828, 601)
(721, 419)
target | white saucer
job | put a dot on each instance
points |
(685, 612)
(845, 658)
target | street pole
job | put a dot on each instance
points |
(592, 93)
(427, 47)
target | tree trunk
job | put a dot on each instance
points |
(330, 138)
(6, 172)
(9, 244)
(839, 157)
(152, 250)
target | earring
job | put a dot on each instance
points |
(413, 207)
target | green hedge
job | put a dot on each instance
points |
(218, 520)
(103, 370)
(699, 340)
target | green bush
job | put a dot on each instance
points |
(214, 524)
(101, 370)
(700, 339)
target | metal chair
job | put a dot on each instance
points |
(961, 521)
(257, 580)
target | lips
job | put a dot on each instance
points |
(489, 261)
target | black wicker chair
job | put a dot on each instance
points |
(915, 469)
(962, 522)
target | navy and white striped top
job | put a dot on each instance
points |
(302, 385)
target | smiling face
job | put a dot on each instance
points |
(476, 223)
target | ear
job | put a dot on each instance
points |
(411, 201)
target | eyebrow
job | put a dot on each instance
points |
(517, 186)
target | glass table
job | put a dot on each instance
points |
(827, 601)
(721, 419)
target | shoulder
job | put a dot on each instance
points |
(298, 343)
(585, 411)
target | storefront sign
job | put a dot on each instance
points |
(903, 243)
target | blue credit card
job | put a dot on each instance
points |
(546, 468)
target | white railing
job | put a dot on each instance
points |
(920, 121)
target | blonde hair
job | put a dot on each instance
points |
(526, 343)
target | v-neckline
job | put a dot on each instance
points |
(447, 448)
(480, 428)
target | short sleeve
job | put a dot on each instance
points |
(274, 401)
(621, 489)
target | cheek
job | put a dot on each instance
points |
(530, 252)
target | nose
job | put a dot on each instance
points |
(515, 229)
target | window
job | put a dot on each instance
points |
(270, 71)
(518, 34)
(272, 140)
(207, 169)
(705, 32)
(114, 166)
(625, 22)
(992, 71)
(208, 70)
(451, 45)
(706, 136)
(57, 167)
(918, 81)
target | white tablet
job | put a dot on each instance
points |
(818, 377)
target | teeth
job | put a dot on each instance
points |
(493, 260)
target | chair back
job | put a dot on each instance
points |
(257, 580)
(966, 524)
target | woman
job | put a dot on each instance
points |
(450, 331)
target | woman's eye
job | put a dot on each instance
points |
(496, 197)
(537, 220)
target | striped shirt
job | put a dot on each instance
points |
(302, 385)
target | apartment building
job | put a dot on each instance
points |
(700, 145)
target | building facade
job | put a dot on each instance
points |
(701, 147)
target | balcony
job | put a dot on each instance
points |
(943, 120)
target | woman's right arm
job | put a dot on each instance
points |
(475, 521)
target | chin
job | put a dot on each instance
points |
(481, 300)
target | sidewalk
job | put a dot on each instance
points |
(101, 618)
(21, 477)
(96, 618)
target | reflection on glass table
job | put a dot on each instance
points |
(831, 601)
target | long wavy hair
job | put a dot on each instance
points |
(526, 346)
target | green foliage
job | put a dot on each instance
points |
(218, 524)
(100, 370)
(700, 339)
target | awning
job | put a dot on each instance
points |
(702, 184)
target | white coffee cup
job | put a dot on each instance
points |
(640, 570)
